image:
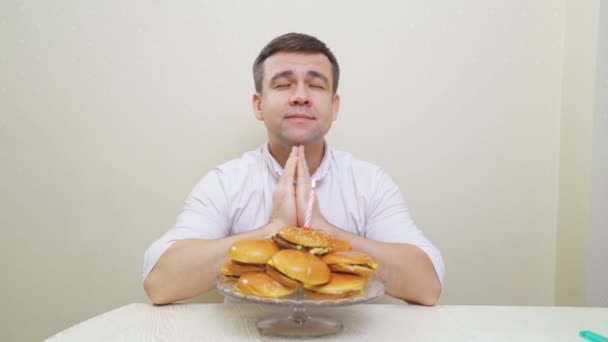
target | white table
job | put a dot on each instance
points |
(366, 322)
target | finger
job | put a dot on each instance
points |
(287, 177)
(303, 180)
(303, 177)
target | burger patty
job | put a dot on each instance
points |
(284, 243)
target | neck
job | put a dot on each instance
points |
(313, 151)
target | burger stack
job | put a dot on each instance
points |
(294, 258)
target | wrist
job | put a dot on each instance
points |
(321, 223)
(272, 227)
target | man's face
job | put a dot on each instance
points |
(297, 103)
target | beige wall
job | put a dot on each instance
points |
(111, 111)
(578, 91)
(597, 236)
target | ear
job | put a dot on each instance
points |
(256, 101)
(335, 107)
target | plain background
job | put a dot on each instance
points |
(490, 115)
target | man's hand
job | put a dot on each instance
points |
(303, 193)
(284, 197)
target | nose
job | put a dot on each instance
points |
(300, 96)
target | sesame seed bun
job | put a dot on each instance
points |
(311, 238)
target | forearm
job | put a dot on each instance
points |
(407, 270)
(190, 267)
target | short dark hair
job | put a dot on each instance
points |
(294, 42)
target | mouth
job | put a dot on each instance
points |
(300, 116)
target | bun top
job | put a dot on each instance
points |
(260, 284)
(342, 245)
(342, 283)
(349, 258)
(252, 251)
(306, 237)
(301, 266)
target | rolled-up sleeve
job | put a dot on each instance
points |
(203, 217)
(389, 220)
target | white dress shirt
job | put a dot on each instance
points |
(353, 195)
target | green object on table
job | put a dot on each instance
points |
(591, 336)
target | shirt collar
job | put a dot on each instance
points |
(276, 169)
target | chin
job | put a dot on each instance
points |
(295, 141)
(301, 139)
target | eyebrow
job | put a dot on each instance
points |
(317, 74)
(311, 73)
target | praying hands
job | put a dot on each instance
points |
(292, 195)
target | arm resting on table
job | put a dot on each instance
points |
(190, 267)
(407, 269)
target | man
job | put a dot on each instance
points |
(296, 80)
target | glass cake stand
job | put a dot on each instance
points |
(298, 323)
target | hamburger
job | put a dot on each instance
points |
(313, 241)
(262, 285)
(247, 256)
(339, 286)
(232, 270)
(294, 268)
(350, 262)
